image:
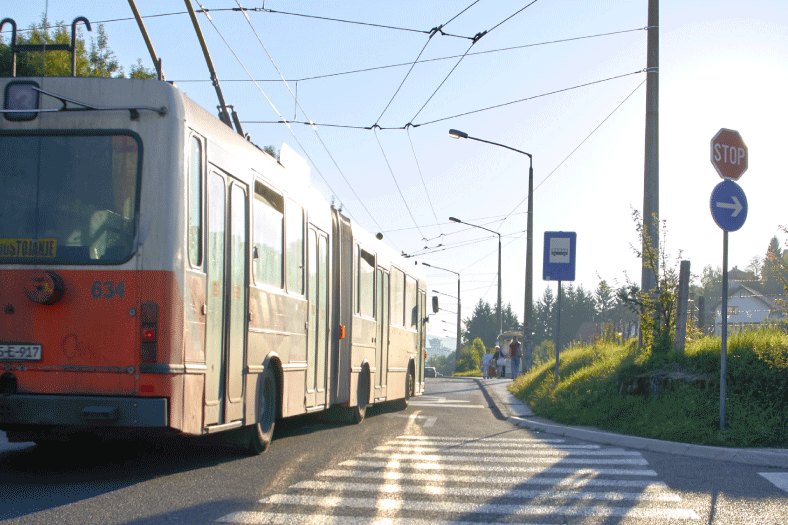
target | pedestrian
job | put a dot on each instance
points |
(516, 352)
(500, 360)
(486, 360)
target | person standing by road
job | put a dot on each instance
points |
(500, 361)
(486, 360)
(515, 352)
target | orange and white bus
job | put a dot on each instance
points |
(161, 274)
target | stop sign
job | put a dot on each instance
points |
(729, 154)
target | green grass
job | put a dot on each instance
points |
(589, 391)
(468, 373)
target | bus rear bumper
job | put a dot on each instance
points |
(82, 411)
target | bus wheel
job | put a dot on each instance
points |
(402, 404)
(359, 412)
(259, 435)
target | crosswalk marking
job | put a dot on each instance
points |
(508, 440)
(778, 479)
(508, 493)
(445, 405)
(541, 451)
(524, 478)
(498, 458)
(497, 468)
(478, 480)
(388, 505)
(274, 518)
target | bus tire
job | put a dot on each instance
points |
(260, 434)
(402, 404)
(359, 412)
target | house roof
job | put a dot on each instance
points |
(735, 287)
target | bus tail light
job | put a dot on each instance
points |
(149, 315)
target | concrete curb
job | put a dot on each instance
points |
(519, 414)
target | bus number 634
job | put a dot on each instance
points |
(106, 289)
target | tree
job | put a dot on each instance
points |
(657, 307)
(470, 357)
(773, 269)
(272, 151)
(604, 302)
(100, 61)
(483, 324)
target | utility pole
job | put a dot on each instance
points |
(651, 167)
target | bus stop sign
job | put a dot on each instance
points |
(559, 256)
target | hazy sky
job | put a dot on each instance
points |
(723, 64)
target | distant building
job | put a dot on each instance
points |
(747, 308)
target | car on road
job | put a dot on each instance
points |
(430, 371)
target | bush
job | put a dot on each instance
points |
(589, 391)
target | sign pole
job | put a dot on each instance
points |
(724, 315)
(557, 335)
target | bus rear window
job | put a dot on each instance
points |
(68, 198)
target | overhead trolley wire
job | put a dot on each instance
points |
(519, 234)
(426, 191)
(307, 117)
(425, 61)
(269, 101)
(616, 77)
(529, 98)
(432, 33)
(473, 42)
(577, 147)
(404, 200)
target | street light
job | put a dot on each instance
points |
(500, 312)
(459, 309)
(529, 250)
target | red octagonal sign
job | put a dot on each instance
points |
(729, 154)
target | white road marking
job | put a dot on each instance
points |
(509, 446)
(778, 479)
(444, 405)
(429, 421)
(500, 458)
(480, 440)
(540, 451)
(497, 468)
(483, 491)
(253, 518)
(386, 505)
(524, 477)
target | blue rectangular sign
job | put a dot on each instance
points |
(559, 256)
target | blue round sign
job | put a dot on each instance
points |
(728, 206)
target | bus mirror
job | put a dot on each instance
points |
(435, 304)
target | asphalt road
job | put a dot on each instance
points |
(448, 458)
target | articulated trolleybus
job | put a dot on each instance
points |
(159, 274)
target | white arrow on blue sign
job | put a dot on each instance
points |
(728, 206)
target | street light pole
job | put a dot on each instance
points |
(459, 308)
(529, 250)
(500, 311)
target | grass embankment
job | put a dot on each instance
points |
(672, 396)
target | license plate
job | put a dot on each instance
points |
(20, 352)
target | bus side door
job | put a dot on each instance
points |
(226, 319)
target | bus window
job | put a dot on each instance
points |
(411, 306)
(195, 202)
(268, 236)
(366, 284)
(397, 297)
(294, 237)
(67, 198)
